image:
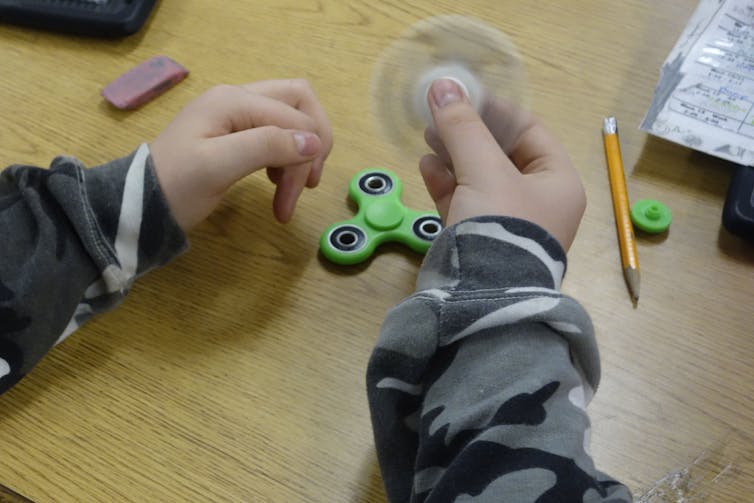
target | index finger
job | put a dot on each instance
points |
(299, 94)
(233, 109)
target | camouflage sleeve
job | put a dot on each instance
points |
(72, 241)
(479, 381)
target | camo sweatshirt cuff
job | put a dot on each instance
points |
(74, 240)
(479, 381)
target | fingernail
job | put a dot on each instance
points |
(306, 143)
(445, 91)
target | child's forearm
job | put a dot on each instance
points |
(73, 241)
(479, 381)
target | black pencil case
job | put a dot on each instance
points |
(99, 18)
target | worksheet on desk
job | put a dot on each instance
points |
(705, 96)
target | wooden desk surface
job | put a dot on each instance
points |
(237, 373)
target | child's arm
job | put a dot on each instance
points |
(479, 381)
(74, 239)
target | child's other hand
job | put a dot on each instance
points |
(232, 131)
(508, 164)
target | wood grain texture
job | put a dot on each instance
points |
(237, 373)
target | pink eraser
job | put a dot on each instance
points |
(144, 82)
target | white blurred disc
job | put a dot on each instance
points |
(479, 57)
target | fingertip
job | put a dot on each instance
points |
(427, 164)
(282, 209)
(288, 191)
(328, 140)
(315, 175)
(286, 217)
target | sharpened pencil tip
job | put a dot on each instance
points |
(632, 279)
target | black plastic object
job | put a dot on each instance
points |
(98, 18)
(738, 213)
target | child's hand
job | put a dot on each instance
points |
(508, 164)
(232, 131)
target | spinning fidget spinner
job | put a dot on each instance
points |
(381, 217)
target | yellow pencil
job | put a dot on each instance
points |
(628, 256)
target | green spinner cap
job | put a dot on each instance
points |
(651, 216)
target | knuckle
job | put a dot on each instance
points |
(301, 87)
(272, 140)
(302, 84)
(219, 91)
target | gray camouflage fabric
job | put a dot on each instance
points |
(72, 241)
(479, 381)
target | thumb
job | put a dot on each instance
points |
(239, 154)
(474, 152)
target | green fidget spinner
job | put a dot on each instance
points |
(381, 218)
